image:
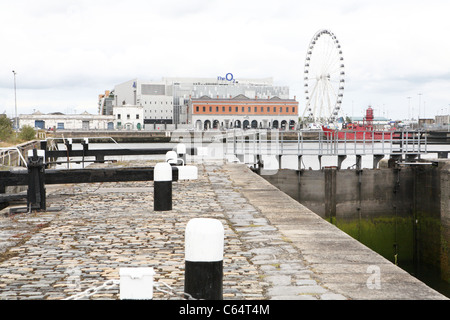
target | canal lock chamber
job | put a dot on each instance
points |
(401, 213)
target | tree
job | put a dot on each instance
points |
(27, 133)
(6, 130)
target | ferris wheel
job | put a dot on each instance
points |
(323, 78)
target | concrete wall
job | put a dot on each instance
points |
(445, 220)
(331, 192)
(402, 213)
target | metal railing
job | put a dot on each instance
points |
(11, 157)
(324, 143)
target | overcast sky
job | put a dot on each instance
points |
(65, 52)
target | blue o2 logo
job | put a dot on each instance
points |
(228, 77)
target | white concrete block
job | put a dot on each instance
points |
(136, 283)
(187, 172)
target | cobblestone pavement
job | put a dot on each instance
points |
(102, 227)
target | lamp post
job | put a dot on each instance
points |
(420, 95)
(15, 102)
(409, 108)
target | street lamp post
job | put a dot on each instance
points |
(409, 108)
(15, 102)
(420, 95)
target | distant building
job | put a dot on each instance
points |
(128, 117)
(423, 122)
(60, 121)
(105, 103)
(166, 101)
(242, 112)
(443, 120)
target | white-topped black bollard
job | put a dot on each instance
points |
(162, 193)
(181, 152)
(203, 277)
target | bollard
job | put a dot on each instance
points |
(162, 194)
(204, 259)
(181, 151)
(171, 158)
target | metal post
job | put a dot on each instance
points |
(358, 162)
(15, 102)
(162, 187)
(204, 259)
(36, 198)
(181, 152)
(85, 144)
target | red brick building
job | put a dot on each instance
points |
(242, 112)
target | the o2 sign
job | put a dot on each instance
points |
(228, 77)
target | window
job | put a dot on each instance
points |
(210, 109)
(223, 109)
(243, 109)
(128, 117)
(293, 109)
(229, 109)
(217, 109)
(204, 109)
(287, 109)
(249, 109)
(118, 116)
(137, 116)
(256, 109)
(274, 109)
(237, 109)
(196, 108)
(268, 109)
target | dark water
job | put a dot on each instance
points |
(395, 239)
(427, 274)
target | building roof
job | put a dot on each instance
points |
(240, 97)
